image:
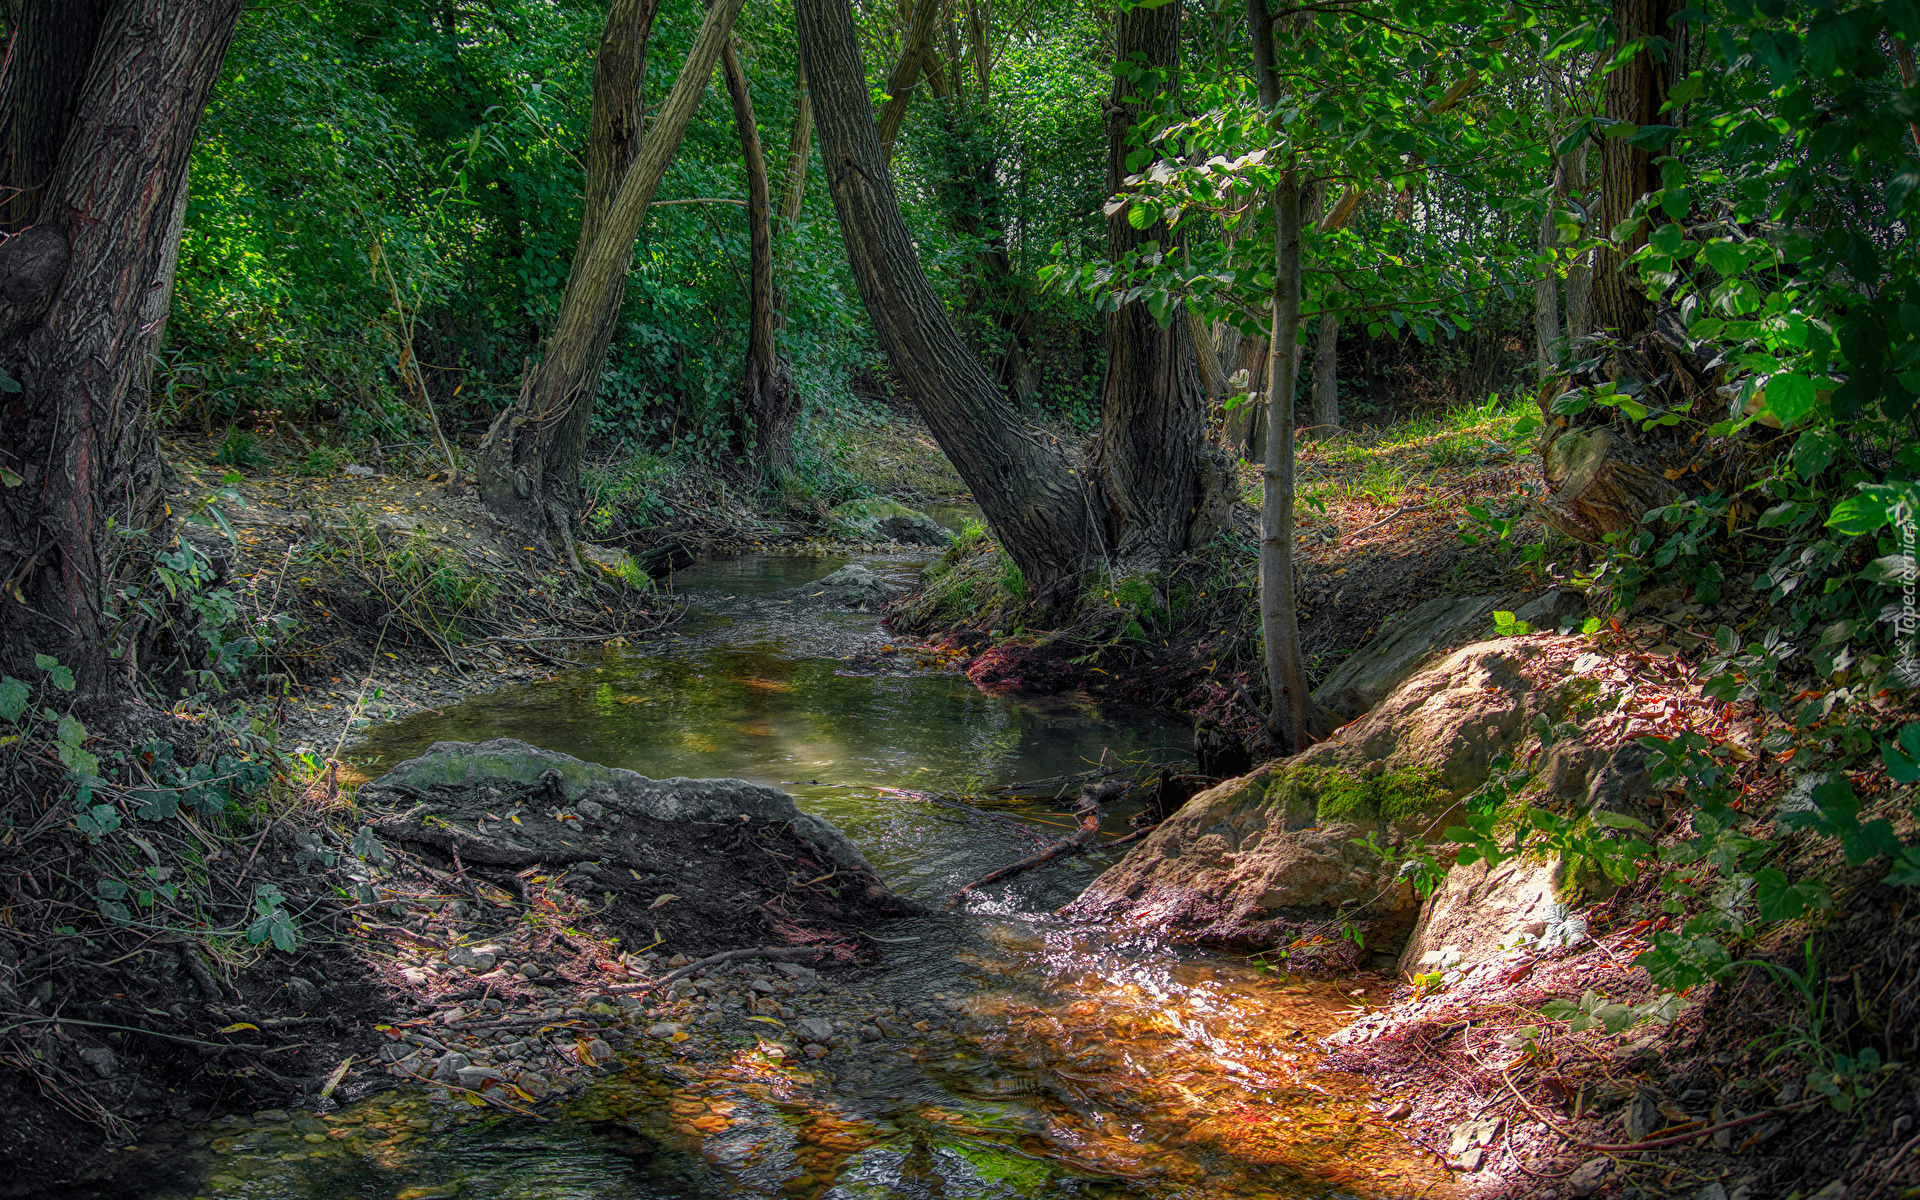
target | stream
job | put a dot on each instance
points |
(1064, 1059)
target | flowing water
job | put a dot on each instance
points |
(1060, 1059)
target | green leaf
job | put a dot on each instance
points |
(1668, 240)
(1614, 820)
(1896, 570)
(1814, 451)
(110, 889)
(58, 675)
(14, 695)
(1652, 137)
(1864, 513)
(1725, 257)
(70, 732)
(1902, 755)
(1791, 398)
(9, 479)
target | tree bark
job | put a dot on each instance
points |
(77, 286)
(616, 125)
(1289, 721)
(1634, 92)
(770, 405)
(1038, 506)
(1326, 348)
(793, 191)
(1580, 270)
(1546, 290)
(906, 72)
(528, 467)
(1154, 464)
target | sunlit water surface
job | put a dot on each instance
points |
(1088, 1062)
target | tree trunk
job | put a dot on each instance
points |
(616, 125)
(77, 284)
(770, 405)
(1289, 721)
(906, 72)
(793, 191)
(1546, 290)
(1634, 93)
(1038, 507)
(1154, 463)
(528, 467)
(1580, 271)
(1326, 347)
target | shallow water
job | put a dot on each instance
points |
(1057, 1060)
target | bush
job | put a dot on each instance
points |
(240, 449)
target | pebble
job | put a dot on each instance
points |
(270, 1114)
(662, 1029)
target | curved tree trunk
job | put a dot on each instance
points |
(528, 468)
(769, 402)
(1154, 463)
(90, 247)
(1038, 507)
(1634, 93)
(906, 72)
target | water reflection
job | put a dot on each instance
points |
(1027, 1058)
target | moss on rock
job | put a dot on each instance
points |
(1331, 793)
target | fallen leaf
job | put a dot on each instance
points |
(661, 899)
(237, 1026)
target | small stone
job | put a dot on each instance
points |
(474, 1078)
(1585, 1179)
(766, 987)
(534, 1084)
(223, 1181)
(599, 1051)
(1400, 1111)
(466, 956)
(271, 1115)
(662, 1029)
(1643, 1115)
(306, 997)
(678, 960)
(105, 1063)
(815, 1029)
(816, 1050)
(529, 971)
(1837, 1190)
(450, 1015)
(1471, 1160)
(315, 1138)
(449, 1066)
(870, 1034)
(796, 971)
(590, 809)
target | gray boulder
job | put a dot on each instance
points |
(503, 769)
(852, 586)
(883, 520)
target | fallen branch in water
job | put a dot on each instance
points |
(1077, 843)
(787, 953)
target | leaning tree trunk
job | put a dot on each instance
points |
(1573, 166)
(770, 404)
(1155, 468)
(906, 71)
(528, 468)
(89, 245)
(1634, 93)
(1289, 721)
(1037, 505)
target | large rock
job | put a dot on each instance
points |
(884, 520)
(852, 586)
(693, 862)
(485, 773)
(1270, 857)
(1424, 632)
(1474, 910)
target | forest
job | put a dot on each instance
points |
(1484, 434)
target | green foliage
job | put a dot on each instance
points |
(323, 461)
(240, 449)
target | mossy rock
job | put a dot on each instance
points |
(1332, 793)
(883, 519)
